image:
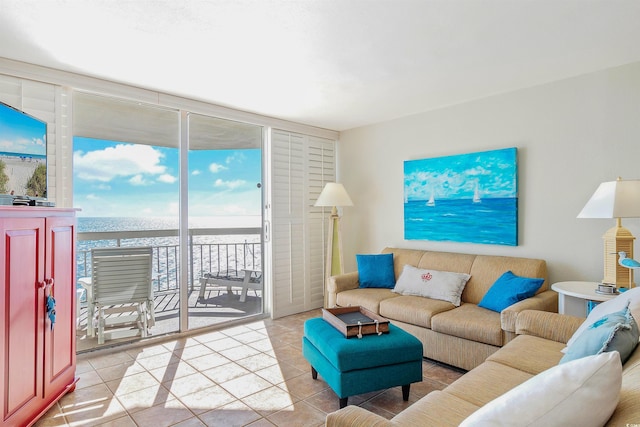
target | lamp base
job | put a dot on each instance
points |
(617, 239)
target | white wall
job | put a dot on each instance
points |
(571, 135)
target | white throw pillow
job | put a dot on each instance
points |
(441, 285)
(611, 306)
(583, 392)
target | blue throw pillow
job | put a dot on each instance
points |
(376, 271)
(612, 332)
(508, 290)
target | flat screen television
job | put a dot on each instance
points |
(23, 154)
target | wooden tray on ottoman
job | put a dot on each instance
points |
(345, 319)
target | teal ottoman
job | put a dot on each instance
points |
(354, 366)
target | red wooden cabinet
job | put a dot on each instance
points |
(37, 363)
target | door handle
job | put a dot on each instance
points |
(267, 231)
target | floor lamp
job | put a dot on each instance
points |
(615, 199)
(333, 194)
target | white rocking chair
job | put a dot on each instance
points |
(121, 292)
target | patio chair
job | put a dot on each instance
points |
(251, 279)
(121, 292)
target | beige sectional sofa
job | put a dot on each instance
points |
(537, 348)
(461, 336)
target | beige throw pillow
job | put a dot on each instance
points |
(441, 285)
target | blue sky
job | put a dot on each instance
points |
(456, 177)
(122, 179)
(20, 133)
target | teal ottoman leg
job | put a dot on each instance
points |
(343, 400)
(405, 392)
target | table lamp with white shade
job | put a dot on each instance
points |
(334, 195)
(615, 199)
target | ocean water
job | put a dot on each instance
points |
(93, 224)
(102, 224)
(26, 156)
(492, 221)
(234, 252)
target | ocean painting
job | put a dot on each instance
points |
(471, 198)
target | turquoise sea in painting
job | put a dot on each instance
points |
(491, 221)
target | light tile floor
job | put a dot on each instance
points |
(253, 375)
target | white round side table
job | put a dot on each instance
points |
(574, 296)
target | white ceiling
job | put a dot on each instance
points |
(336, 64)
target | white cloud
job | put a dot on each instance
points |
(24, 146)
(167, 179)
(217, 167)
(196, 172)
(138, 180)
(92, 197)
(123, 160)
(39, 142)
(237, 157)
(231, 185)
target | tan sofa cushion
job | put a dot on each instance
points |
(628, 409)
(529, 354)
(486, 382)
(486, 269)
(470, 322)
(368, 298)
(413, 310)
(355, 416)
(435, 409)
(402, 257)
(447, 261)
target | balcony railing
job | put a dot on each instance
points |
(211, 250)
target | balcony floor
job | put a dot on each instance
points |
(218, 306)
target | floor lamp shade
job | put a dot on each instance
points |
(334, 195)
(615, 199)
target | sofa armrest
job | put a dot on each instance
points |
(551, 326)
(544, 301)
(356, 416)
(337, 284)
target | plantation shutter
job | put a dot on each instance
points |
(301, 165)
(320, 170)
(46, 102)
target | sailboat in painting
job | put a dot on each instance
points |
(432, 200)
(476, 195)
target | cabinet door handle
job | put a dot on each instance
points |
(41, 285)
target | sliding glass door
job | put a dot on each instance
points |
(126, 185)
(190, 188)
(225, 220)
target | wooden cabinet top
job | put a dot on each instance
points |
(34, 211)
